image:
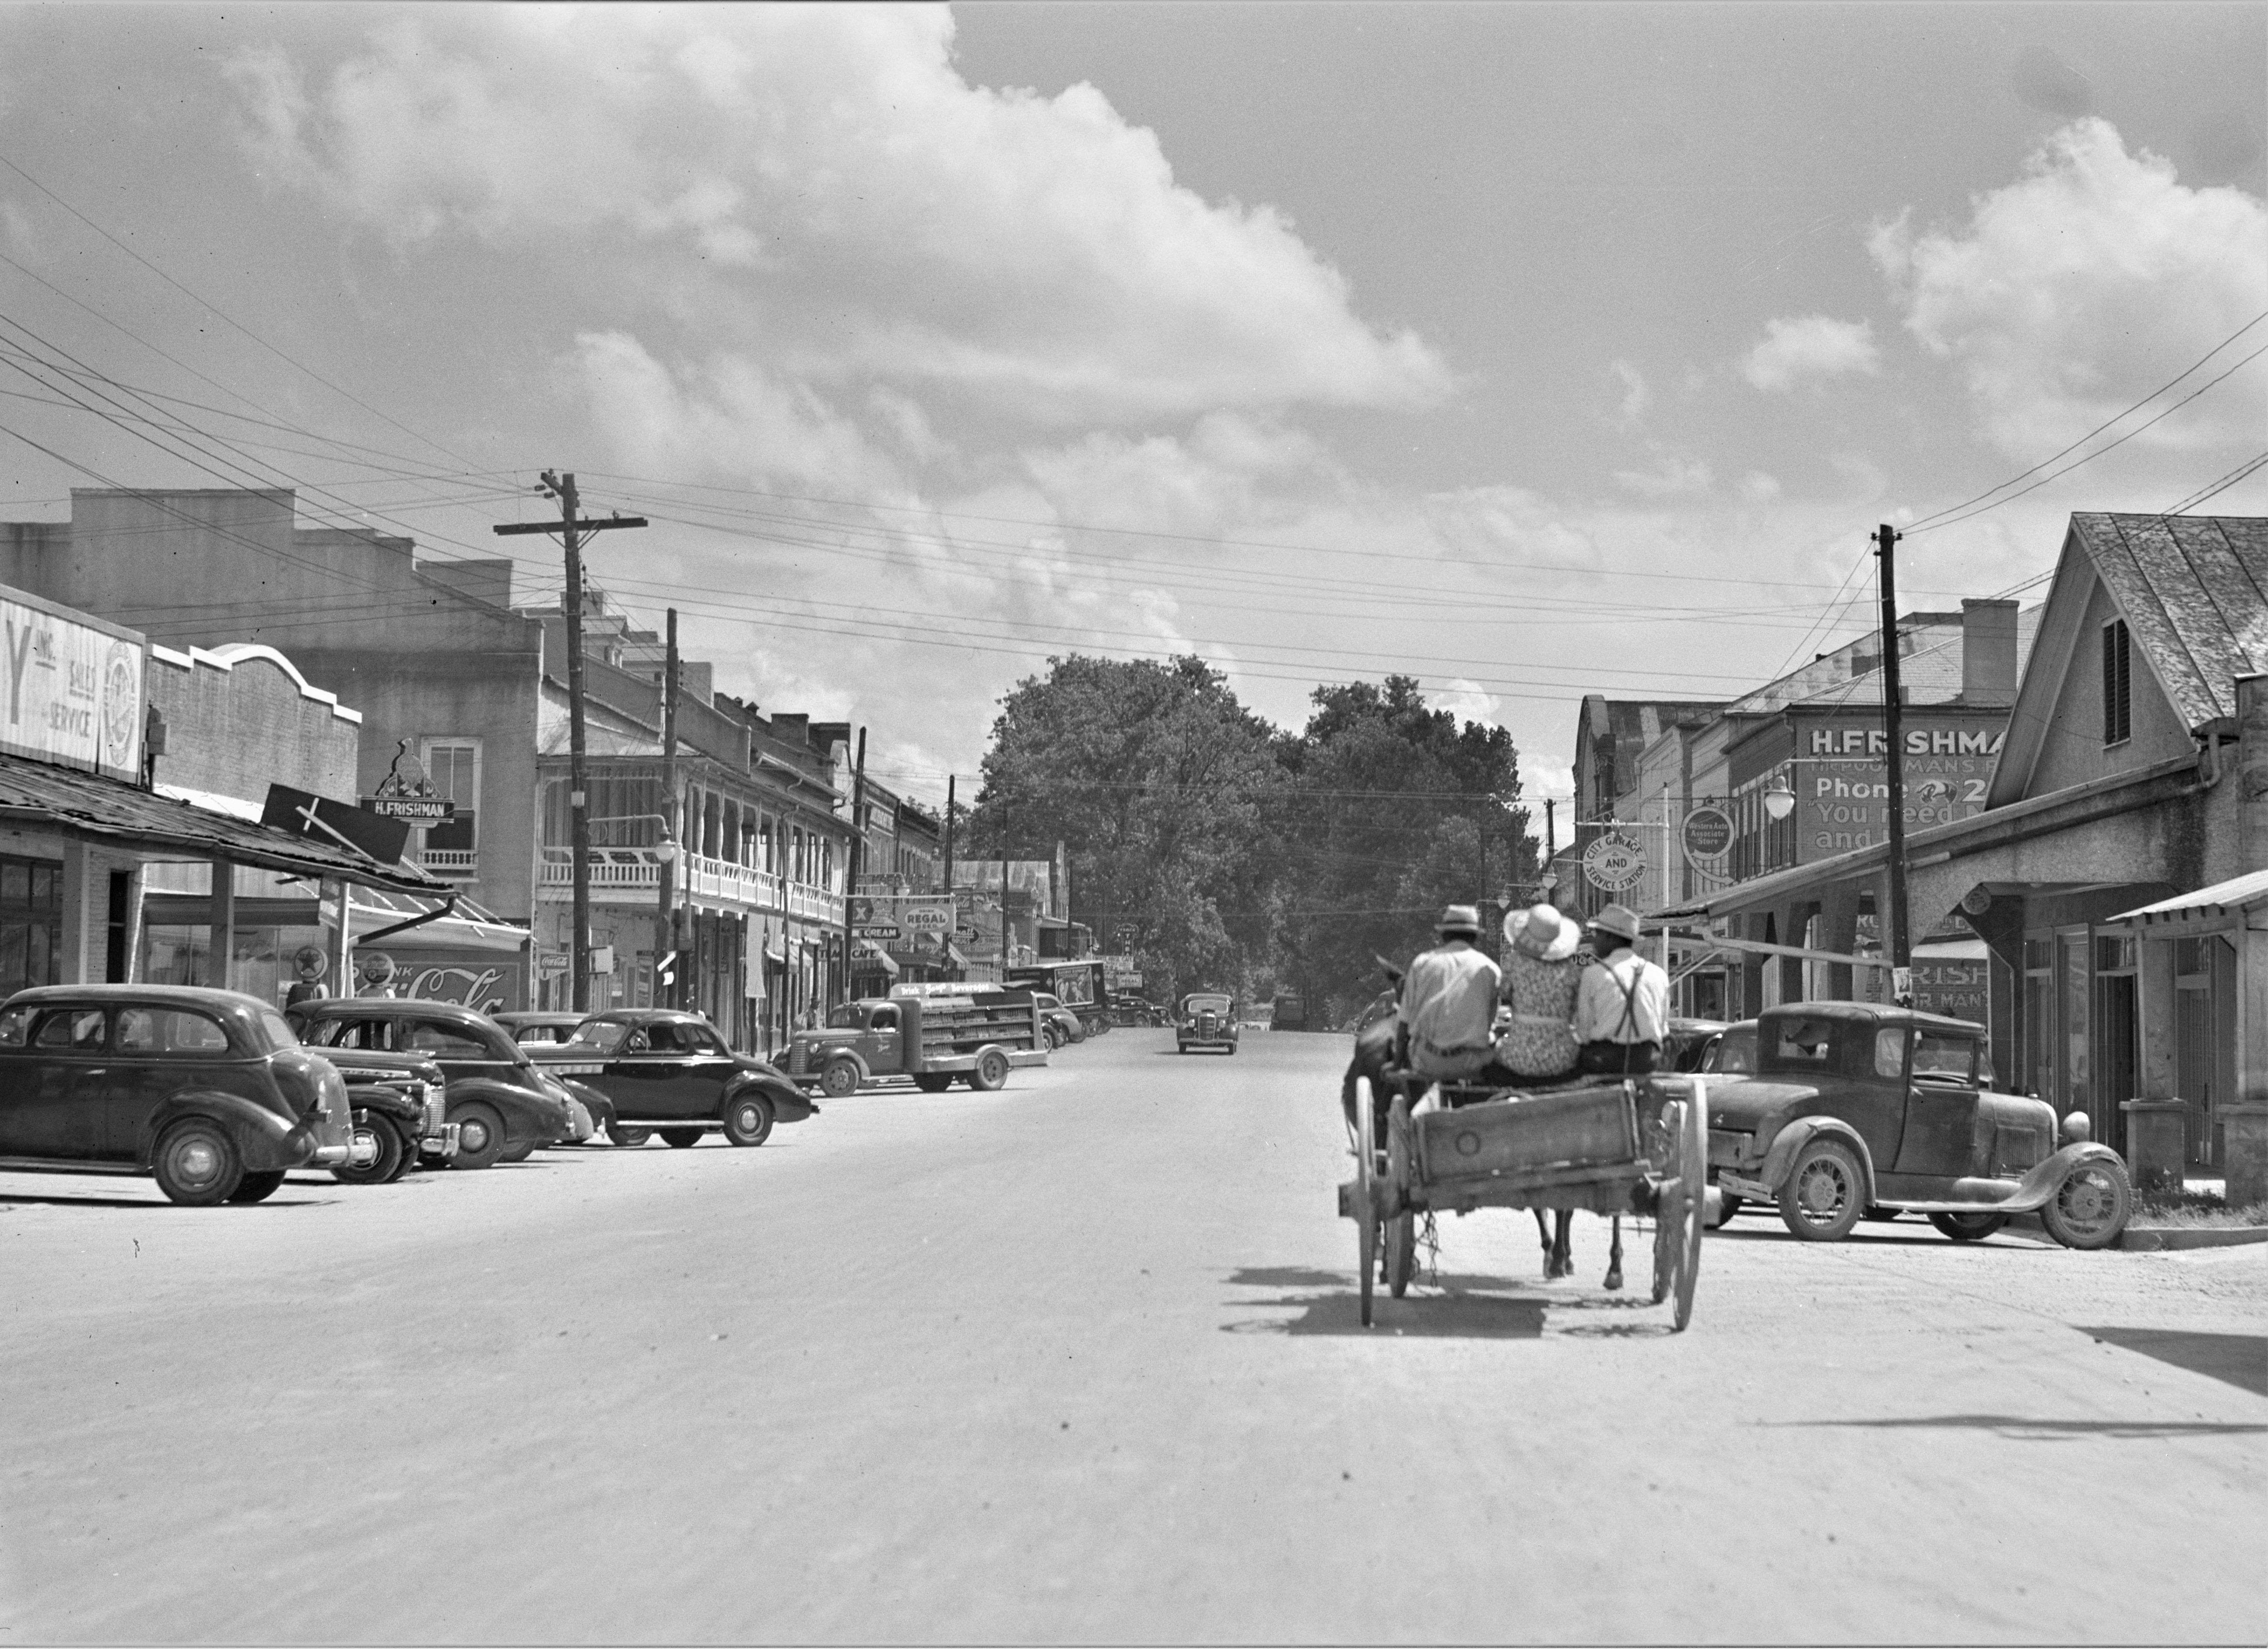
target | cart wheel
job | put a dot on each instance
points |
(1366, 1191)
(1401, 1229)
(1669, 1212)
(1693, 1174)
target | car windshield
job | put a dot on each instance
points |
(606, 1035)
(1735, 1053)
(327, 1034)
(1208, 1004)
(848, 1016)
(276, 1029)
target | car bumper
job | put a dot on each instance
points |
(443, 1144)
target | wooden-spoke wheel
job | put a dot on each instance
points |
(1366, 1191)
(1401, 1229)
(1692, 1177)
(1668, 1211)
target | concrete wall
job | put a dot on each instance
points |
(236, 723)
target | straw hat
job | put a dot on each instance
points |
(1540, 931)
(1460, 921)
(1618, 920)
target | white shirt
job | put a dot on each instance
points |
(1449, 1001)
(1626, 999)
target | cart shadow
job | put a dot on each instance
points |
(2022, 1428)
(2239, 1359)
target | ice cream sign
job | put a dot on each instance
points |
(74, 687)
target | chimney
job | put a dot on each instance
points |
(1988, 652)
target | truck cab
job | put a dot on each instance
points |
(975, 1037)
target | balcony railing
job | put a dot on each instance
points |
(632, 876)
(450, 863)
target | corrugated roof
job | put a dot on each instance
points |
(1932, 674)
(88, 804)
(2237, 893)
(2194, 592)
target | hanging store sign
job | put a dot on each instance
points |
(320, 819)
(74, 687)
(412, 810)
(1707, 836)
(1614, 864)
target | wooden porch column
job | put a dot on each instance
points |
(221, 944)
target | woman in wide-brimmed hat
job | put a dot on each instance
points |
(1540, 978)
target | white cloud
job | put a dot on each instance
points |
(2082, 286)
(1671, 477)
(1756, 487)
(1636, 397)
(819, 184)
(1468, 701)
(1807, 349)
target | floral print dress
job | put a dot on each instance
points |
(1540, 1043)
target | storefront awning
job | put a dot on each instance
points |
(872, 955)
(91, 806)
(2208, 905)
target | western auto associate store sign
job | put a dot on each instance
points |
(1842, 787)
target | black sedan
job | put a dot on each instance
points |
(669, 1072)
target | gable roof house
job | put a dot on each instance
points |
(2114, 871)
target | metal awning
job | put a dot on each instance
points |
(2214, 904)
(867, 951)
(91, 806)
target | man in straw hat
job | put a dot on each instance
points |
(1449, 1001)
(1622, 1008)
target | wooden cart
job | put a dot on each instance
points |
(1633, 1146)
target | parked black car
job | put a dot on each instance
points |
(539, 1027)
(401, 1113)
(666, 1071)
(502, 1106)
(207, 1090)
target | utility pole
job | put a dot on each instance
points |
(1894, 925)
(665, 934)
(1551, 834)
(948, 834)
(851, 858)
(572, 533)
(1006, 949)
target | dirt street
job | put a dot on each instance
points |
(1079, 1360)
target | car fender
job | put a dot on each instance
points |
(264, 1139)
(790, 1103)
(2043, 1179)
(600, 1107)
(527, 1117)
(1799, 1132)
(386, 1101)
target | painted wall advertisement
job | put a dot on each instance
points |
(488, 983)
(1842, 794)
(74, 687)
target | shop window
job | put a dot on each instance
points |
(2118, 684)
(31, 923)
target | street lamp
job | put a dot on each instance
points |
(665, 850)
(1779, 800)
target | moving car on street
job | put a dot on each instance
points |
(207, 1090)
(661, 1070)
(1207, 1020)
(505, 1109)
(1855, 1107)
(936, 1038)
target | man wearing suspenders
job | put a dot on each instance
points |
(1622, 1007)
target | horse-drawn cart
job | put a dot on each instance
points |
(1636, 1146)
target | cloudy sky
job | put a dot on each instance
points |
(1533, 349)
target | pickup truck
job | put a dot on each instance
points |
(976, 1037)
